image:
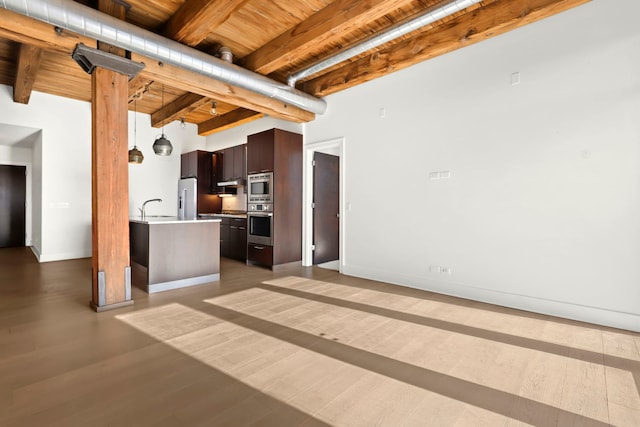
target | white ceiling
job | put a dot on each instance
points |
(17, 136)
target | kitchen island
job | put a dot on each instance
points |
(168, 253)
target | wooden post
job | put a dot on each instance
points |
(110, 175)
(110, 180)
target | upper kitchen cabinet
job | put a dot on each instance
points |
(189, 165)
(202, 165)
(234, 160)
(260, 151)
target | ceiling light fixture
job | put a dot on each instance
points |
(182, 123)
(135, 155)
(213, 110)
(162, 146)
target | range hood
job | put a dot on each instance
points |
(238, 182)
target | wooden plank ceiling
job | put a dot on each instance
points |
(271, 37)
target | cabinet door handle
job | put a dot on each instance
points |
(242, 228)
(233, 226)
(258, 247)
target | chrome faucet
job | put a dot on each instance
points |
(142, 213)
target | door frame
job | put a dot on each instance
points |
(28, 213)
(331, 146)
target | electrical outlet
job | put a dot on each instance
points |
(434, 269)
(445, 270)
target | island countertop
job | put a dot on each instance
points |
(170, 220)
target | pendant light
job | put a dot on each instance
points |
(135, 155)
(162, 146)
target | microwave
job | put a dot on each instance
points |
(260, 188)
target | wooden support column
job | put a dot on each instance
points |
(110, 190)
(110, 179)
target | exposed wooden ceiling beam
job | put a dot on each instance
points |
(180, 107)
(138, 86)
(191, 25)
(20, 28)
(29, 59)
(480, 24)
(190, 81)
(320, 29)
(196, 19)
(226, 121)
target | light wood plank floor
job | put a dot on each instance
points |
(304, 347)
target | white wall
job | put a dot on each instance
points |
(61, 156)
(62, 172)
(541, 210)
(157, 176)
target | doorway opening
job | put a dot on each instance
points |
(326, 231)
(13, 209)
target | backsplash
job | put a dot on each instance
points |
(237, 202)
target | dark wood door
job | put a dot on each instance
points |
(326, 212)
(13, 196)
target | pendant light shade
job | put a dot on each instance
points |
(162, 146)
(135, 155)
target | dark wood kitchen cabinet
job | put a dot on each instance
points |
(238, 239)
(280, 152)
(233, 161)
(189, 165)
(201, 165)
(233, 238)
(260, 151)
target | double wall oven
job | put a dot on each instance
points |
(260, 209)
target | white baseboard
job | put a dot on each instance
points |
(36, 251)
(567, 310)
(61, 257)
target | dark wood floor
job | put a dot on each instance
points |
(302, 347)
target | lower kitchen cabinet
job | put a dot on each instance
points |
(260, 254)
(233, 238)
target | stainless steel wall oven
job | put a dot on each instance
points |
(260, 228)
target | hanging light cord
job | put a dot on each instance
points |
(135, 122)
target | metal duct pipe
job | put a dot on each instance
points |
(89, 22)
(379, 39)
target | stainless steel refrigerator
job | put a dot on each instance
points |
(188, 198)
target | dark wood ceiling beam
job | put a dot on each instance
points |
(179, 108)
(322, 28)
(16, 27)
(196, 19)
(29, 59)
(227, 121)
(480, 24)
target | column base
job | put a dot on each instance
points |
(107, 307)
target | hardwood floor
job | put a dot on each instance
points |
(303, 347)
